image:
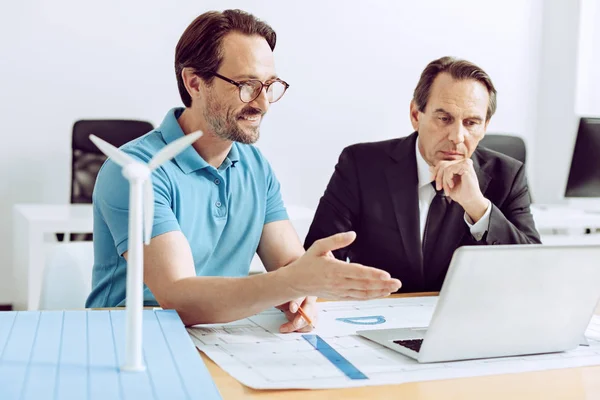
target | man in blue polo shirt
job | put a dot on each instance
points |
(218, 202)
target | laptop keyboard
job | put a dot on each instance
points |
(413, 344)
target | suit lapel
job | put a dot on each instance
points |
(482, 176)
(401, 175)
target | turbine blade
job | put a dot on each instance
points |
(172, 149)
(112, 152)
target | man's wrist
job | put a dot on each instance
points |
(284, 279)
(476, 209)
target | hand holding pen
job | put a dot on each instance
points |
(301, 314)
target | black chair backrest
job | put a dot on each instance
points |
(87, 159)
(512, 146)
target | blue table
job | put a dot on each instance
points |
(77, 355)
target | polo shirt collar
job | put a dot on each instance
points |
(189, 160)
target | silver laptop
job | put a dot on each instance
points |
(501, 301)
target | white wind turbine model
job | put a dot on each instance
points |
(141, 217)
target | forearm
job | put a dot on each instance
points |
(513, 223)
(518, 229)
(203, 300)
(476, 208)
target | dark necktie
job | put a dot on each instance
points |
(433, 225)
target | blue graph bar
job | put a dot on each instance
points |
(334, 357)
(370, 320)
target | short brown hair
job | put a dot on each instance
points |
(459, 70)
(200, 45)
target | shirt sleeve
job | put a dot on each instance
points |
(275, 208)
(111, 196)
(479, 228)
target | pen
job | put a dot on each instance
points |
(306, 317)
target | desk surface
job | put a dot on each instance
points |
(55, 212)
(572, 383)
(549, 217)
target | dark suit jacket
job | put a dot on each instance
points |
(373, 191)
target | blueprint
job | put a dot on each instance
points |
(254, 352)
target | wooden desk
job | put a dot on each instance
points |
(571, 383)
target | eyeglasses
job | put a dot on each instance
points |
(251, 89)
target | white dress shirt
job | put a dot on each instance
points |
(427, 193)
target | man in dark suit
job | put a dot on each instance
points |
(414, 200)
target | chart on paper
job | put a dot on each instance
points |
(254, 352)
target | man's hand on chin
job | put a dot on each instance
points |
(458, 180)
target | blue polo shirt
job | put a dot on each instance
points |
(221, 211)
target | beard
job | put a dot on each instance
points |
(225, 125)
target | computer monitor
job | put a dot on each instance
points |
(584, 175)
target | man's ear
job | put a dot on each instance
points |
(414, 115)
(192, 82)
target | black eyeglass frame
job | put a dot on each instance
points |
(240, 84)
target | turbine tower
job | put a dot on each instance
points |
(141, 217)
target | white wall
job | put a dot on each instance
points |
(588, 75)
(556, 117)
(352, 67)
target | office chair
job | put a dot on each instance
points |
(512, 146)
(87, 159)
